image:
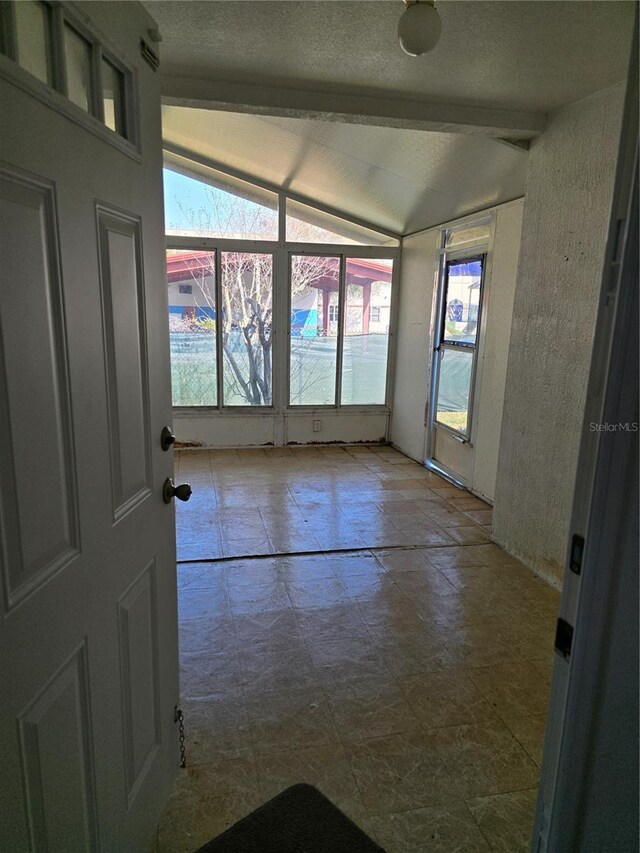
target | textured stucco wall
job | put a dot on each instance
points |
(567, 205)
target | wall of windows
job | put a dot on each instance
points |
(260, 323)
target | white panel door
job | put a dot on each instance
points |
(88, 629)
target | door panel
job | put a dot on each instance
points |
(89, 678)
(39, 512)
(122, 286)
(57, 763)
(138, 624)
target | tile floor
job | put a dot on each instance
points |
(406, 677)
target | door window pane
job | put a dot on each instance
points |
(462, 301)
(366, 331)
(307, 224)
(192, 327)
(78, 61)
(246, 326)
(217, 205)
(315, 285)
(456, 238)
(33, 36)
(454, 388)
(113, 97)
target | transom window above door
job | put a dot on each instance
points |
(57, 49)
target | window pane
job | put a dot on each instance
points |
(306, 224)
(113, 97)
(218, 205)
(78, 60)
(246, 318)
(456, 238)
(33, 35)
(314, 330)
(366, 330)
(464, 283)
(454, 384)
(192, 327)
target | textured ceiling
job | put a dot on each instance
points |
(520, 54)
(523, 55)
(402, 180)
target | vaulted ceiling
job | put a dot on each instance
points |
(318, 96)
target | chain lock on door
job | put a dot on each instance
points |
(178, 717)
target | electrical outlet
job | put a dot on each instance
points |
(317, 426)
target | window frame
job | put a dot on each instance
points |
(177, 158)
(345, 254)
(441, 345)
(54, 94)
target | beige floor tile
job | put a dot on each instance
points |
(265, 669)
(398, 680)
(370, 707)
(514, 690)
(326, 624)
(325, 767)
(484, 758)
(435, 829)
(506, 820)
(203, 674)
(203, 603)
(344, 660)
(529, 731)
(472, 535)
(447, 698)
(205, 801)
(208, 635)
(294, 719)
(216, 728)
(400, 772)
(272, 630)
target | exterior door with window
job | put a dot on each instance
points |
(455, 366)
(88, 681)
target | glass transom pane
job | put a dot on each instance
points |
(315, 285)
(454, 388)
(33, 36)
(78, 61)
(192, 327)
(464, 285)
(461, 236)
(217, 205)
(113, 97)
(246, 321)
(366, 331)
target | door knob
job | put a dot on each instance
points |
(169, 491)
(167, 438)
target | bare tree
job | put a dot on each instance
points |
(245, 317)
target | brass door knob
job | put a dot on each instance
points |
(169, 491)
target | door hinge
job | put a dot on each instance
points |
(564, 637)
(577, 553)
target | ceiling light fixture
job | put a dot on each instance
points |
(419, 27)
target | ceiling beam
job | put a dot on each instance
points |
(351, 108)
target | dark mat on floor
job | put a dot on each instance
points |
(299, 820)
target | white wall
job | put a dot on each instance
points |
(414, 343)
(411, 380)
(254, 428)
(569, 189)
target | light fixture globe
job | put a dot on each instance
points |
(419, 28)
